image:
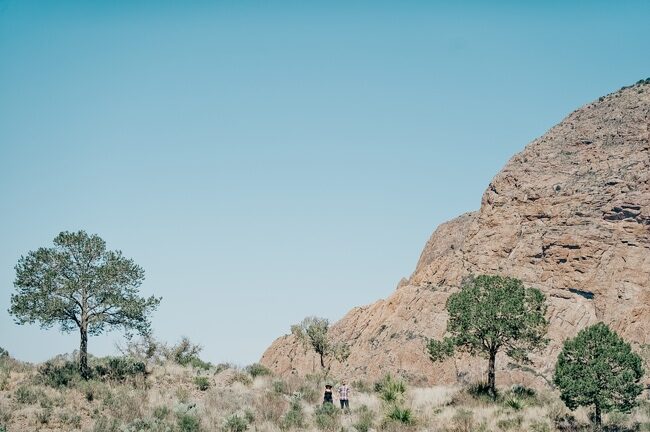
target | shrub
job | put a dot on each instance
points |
(522, 391)
(222, 367)
(26, 395)
(235, 423)
(482, 391)
(280, 387)
(361, 386)
(401, 415)
(327, 417)
(270, 406)
(390, 389)
(70, 419)
(309, 394)
(510, 423)
(514, 402)
(56, 374)
(44, 415)
(187, 422)
(103, 424)
(257, 369)
(185, 353)
(295, 416)
(463, 421)
(119, 369)
(540, 426)
(365, 419)
(242, 378)
(161, 412)
(202, 383)
(3, 353)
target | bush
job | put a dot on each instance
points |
(185, 353)
(103, 424)
(280, 387)
(70, 419)
(523, 391)
(44, 415)
(26, 395)
(235, 423)
(295, 417)
(270, 406)
(482, 391)
(365, 420)
(463, 421)
(390, 389)
(257, 369)
(540, 426)
(309, 394)
(57, 375)
(222, 367)
(361, 386)
(161, 412)
(510, 423)
(514, 402)
(3, 353)
(119, 369)
(400, 415)
(327, 417)
(187, 422)
(202, 383)
(241, 377)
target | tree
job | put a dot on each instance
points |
(598, 368)
(490, 314)
(78, 284)
(313, 332)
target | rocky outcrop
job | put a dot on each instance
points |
(570, 215)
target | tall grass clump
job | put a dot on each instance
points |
(365, 419)
(295, 416)
(327, 417)
(235, 423)
(256, 370)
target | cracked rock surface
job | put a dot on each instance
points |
(570, 214)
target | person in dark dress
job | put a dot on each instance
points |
(327, 397)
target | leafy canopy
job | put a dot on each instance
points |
(79, 284)
(313, 332)
(598, 368)
(491, 313)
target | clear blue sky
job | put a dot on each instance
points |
(265, 161)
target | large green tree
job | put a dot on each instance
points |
(80, 285)
(598, 368)
(313, 333)
(491, 314)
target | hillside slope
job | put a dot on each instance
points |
(570, 214)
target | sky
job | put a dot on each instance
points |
(268, 161)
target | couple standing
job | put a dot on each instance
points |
(344, 395)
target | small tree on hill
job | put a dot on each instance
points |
(78, 284)
(313, 333)
(598, 368)
(491, 314)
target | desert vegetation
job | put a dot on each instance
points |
(151, 390)
(155, 387)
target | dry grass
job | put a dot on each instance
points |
(170, 400)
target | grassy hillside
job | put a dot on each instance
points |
(172, 390)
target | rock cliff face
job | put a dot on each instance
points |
(570, 215)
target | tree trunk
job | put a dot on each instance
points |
(83, 353)
(491, 378)
(597, 416)
(322, 361)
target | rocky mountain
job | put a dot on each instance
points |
(570, 215)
